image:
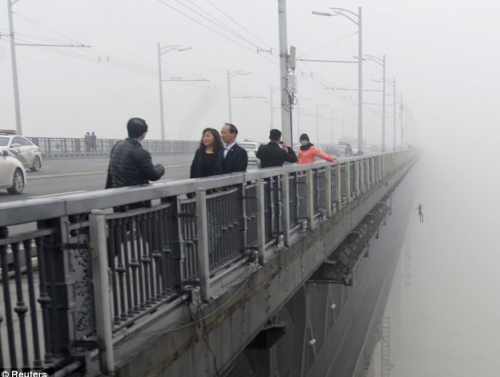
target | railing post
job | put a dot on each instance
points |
(261, 221)
(328, 192)
(348, 181)
(310, 199)
(372, 172)
(202, 235)
(99, 255)
(356, 177)
(339, 186)
(285, 184)
(361, 176)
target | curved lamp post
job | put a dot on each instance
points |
(355, 18)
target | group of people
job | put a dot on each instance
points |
(219, 153)
(90, 142)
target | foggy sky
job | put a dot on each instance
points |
(441, 53)
(444, 55)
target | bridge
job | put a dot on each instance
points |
(275, 272)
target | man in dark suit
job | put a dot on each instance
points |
(232, 158)
(276, 152)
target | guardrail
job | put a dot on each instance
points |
(104, 267)
(60, 147)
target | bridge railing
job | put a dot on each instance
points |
(108, 260)
(53, 146)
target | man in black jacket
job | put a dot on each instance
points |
(276, 152)
(232, 158)
(130, 164)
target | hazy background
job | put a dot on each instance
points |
(444, 55)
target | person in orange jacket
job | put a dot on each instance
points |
(308, 152)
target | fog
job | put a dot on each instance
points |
(443, 55)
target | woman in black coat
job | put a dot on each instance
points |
(205, 157)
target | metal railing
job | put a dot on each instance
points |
(53, 146)
(92, 269)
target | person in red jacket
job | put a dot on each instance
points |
(308, 152)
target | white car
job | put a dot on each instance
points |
(12, 174)
(251, 148)
(23, 149)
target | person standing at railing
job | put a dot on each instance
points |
(276, 152)
(130, 164)
(348, 151)
(86, 141)
(308, 152)
(232, 158)
(205, 158)
(93, 142)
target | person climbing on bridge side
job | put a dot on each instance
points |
(308, 152)
(420, 212)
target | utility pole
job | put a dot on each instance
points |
(272, 106)
(229, 96)
(317, 123)
(331, 122)
(395, 100)
(286, 124)
(407, 125)
(360, 82)
(17, 102)
(402, 107)
(383, 108)
(161, 51)
(160, 82)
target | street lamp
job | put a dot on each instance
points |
(356, 18)
(382, 63)
(299, 100)
(230, 75)
(162, 50)
(317, 121)
(393, 84)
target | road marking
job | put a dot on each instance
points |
(60, 193)
(62, 175)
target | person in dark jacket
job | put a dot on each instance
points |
(232, 158)
(205, 157)
(276, 153)
(130, 164)
(93, 142)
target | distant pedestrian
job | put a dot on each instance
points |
(93, 142)
(420, 212)
(86, 141)
(130, 164)
(308, 152)
(348, 150)
(276, 152)
(232, 158)
(205, 158)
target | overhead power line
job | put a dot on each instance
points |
(230, 38)
(239, 24)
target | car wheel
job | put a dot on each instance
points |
(17, 183)
(37, 164)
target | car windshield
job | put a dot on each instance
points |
(4, 141)
(248, 146)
